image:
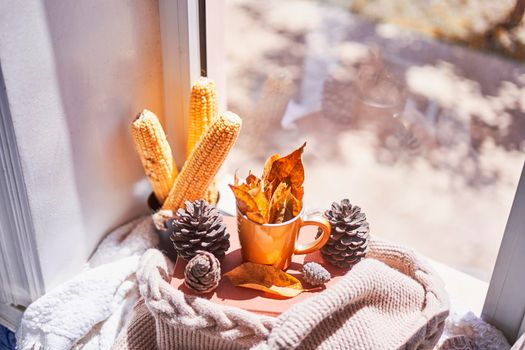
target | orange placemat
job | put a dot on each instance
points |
(252, 300)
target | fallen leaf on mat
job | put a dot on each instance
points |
(265, 278)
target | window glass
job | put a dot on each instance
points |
(414, 110)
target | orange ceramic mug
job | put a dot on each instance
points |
(274, 244)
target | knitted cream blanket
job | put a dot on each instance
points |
(390, 300)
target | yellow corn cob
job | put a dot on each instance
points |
(203, 108)
(155, 153)
(204, 161)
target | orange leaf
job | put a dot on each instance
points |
(277, 195)
(265, 278)
(245, 201)
(269, 189)
(253, 181)
(298, 193)
(297, 179)
(262, 204)
(293, 207)
(256, 217)
(278, 203)
(268, 167)
(282, 167)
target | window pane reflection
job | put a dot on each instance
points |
(428, 137)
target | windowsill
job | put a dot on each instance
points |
(468, 291)
(462, 288)
(10, 316)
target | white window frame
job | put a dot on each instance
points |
(192, 32)
(505, 302)
(179, 25)
(18, 253)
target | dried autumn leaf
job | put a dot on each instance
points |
(282, 167)
(265, 278)
(245, 202)
(256, 217)
(293, 207)
(262, 204)
(298, 193)
(253, 186)
(253, 181)
(253, 192)
(276, 196)
(269, 189)
(278, 203)
(296, 180)
(268, 167)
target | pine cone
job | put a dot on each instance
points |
(198, 227)
(348, 242)
(203, 272)
(315, 274)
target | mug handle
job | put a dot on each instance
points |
(319, 221)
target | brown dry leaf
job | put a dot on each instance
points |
(293, 207)
(253, 181)
(268, 167)
(297, 179)
(269, 189)
(277, 195)
(278, 203)
(262, 204)
(256, 217)
(282, 167)
(245, 201)
(298, 193)
(265, 278)
(255, 191)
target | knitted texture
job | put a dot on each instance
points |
(390, 300)
(144, 339)
(171, 306)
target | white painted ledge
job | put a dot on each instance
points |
(10, 316)
(469, 291)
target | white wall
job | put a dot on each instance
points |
(76, 73)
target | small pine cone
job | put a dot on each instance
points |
(198, 227)
(348, 242)
(315, 274)
(203, 272)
